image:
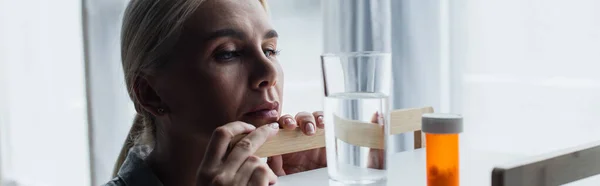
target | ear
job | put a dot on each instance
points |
(147, 96)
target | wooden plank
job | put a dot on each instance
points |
(556, 168)
(287, 141)
(359, 133)
(291, 141)
(353, 132)
(371, 135)
(407, 120)
(419, 142)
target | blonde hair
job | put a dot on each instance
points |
(150, 30)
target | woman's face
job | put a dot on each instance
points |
(224, 69)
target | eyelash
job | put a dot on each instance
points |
(228, 55)
(272, 51)
(224, 55)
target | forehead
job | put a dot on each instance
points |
(243, 15)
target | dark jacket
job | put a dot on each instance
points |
(135, 171)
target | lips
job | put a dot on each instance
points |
(267, 110)
(264, 114)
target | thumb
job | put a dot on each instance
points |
(276, 164)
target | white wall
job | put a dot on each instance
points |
(111, 110)
(528, 73)
(300, 29)
(42, 114)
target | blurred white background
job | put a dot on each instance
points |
(300, 27)
(524, 73)
(43, 131)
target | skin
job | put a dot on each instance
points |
(222, 69)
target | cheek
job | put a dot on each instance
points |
(225, 90)
(207, 101)
(201, 93)
(228, 87)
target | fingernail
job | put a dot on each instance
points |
(320, 119)
(310, 128)
(274, 125)
(289, 121)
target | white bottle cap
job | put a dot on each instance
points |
(437, 123)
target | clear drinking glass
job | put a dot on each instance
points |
(357, 86)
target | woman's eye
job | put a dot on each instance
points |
(271, 52)
(226, 55)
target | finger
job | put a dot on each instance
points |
(288, 122)
(376, 159)
(276, 164)
(319, 118)
(243, 175)
(376, 155)
(220, 140)
(375, 118)
(248, 145)
(306, 122)
(262, 176)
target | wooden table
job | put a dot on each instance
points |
(409, 169)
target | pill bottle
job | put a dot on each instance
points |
(442, 146)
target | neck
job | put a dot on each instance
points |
(176, 161)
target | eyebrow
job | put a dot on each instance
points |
(271, 34)
(228, 32)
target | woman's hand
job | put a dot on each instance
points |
(304, 160)
(315, 158)
(238, 166)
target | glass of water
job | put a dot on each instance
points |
(357, 86)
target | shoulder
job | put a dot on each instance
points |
(135, 171)
(116, 182)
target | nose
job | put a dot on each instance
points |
(264, 73)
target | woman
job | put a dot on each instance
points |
(200, 72)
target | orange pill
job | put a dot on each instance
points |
(442, 148)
